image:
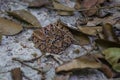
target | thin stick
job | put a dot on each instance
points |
(26, 77)
(32, 60)
(15, 59)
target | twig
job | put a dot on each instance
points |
(106, 7)
(56, 58)
(15, 59)
(26, 77)
(32, 60)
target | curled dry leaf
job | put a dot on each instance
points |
(107, 71)
(95, 22)
(79, 63)
(77, 4)
(38, 3)
(104, 44)
(61, 6)
(67, 10)
(25, 16)
(8, 27)
(16, 74)
(90, 30)
(80, 38)
(109, 33)
(87, 4)
(112, 55)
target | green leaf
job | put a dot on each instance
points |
(112, 55)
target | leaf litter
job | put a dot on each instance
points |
(22, 48)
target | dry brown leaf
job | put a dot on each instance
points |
(104, 44)
(38, 3)
(107, 71)
(79, 63)
(111, 19)
(77, 4)
(80, 38)
(25, 16)
(67, 10)
(106, 68)
(61, 6)
(109, 34)
(65, 13)
(90, 30)
(89, 4)
(95, 22)
(8, 27)
(16, 74)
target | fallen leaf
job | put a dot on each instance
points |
(89, 4)
(110, 19)
(8, 27)
(67, 10)
(95, 22)
(25, 16)
(61, 6)
(109, 34)
(112, 55)
(104, 44)
(90, 30)
(107, 71)
(79, 63)
(77, 4)
(106, 68)
(65, 13)
(80, 38)
(16, 74)
(38, 3)
(98, 21)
